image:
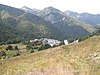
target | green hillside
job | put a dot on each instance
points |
(71, 27)
(9, 35)
(82, 58)
(28, 25)
(50, 23)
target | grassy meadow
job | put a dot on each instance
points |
(82, 58)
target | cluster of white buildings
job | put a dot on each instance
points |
(44, 41)
(52, 42)
(67, 43)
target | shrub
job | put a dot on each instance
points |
(32, 51)
(46, 46)
(16, 48)
(9, 47)
(36, 47)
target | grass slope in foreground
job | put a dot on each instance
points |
(78, 59)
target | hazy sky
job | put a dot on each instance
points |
(91, 6)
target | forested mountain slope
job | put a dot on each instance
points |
(31, 26)
(69, 26)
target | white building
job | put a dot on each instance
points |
(34, 40)
(51, 42)
(66, 42)
(44, 41)
(76, 41)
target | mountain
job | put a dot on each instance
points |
(71, 27)
(29, 10)
(93, 19)
(49, 22)
(66, 24)
(51, 14)
(30, 25)
(82, 58)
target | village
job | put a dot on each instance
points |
(32, 46)
(52, 42)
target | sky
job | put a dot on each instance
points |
(80, 6)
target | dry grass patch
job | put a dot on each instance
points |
(76, 59)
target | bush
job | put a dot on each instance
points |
(9, 47)
(32, 51)
(16, 48)
(46, 46)
(36, 47)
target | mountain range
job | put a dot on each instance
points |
(50, 23)
(93, 19)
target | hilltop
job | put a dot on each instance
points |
(82, 58)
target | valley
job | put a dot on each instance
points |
(48, 42)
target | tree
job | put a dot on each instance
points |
(46, 46)
(9, 47)
(16, 48)
(32, 51)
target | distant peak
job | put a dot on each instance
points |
(51, 9)
(26, 8)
